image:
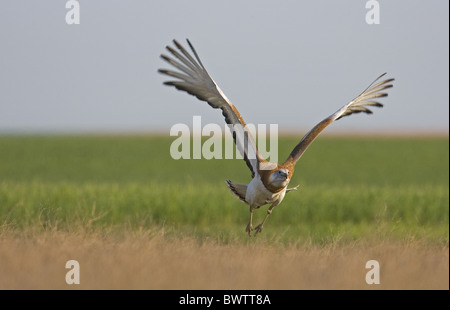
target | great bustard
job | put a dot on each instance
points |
(269, 180)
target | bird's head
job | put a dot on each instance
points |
(279, 178)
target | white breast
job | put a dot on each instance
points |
(258, 195)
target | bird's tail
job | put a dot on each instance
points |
(239, 190)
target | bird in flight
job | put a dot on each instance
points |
(270, 181)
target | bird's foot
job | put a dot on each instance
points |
(258, 229)
(249, 229)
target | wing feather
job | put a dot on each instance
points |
(357, 105)
(195, 80)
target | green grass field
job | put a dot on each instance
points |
(351, 188)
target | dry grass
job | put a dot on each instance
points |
(151, 260)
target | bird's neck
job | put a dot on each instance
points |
(265, 178)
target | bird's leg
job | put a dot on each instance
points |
(259, 228)
(250, 226)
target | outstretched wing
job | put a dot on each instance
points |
(357, 105)
(194, 79)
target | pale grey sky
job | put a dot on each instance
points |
(290, 63)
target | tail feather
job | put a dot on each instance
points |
(239, 190)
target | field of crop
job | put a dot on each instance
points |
(135, 218)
